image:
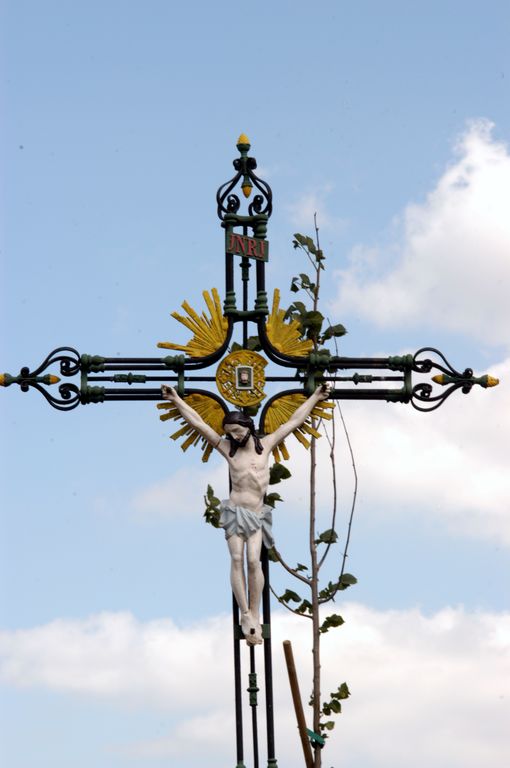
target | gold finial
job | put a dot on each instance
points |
(247, 188)
(243, 139)
(440, 378)
(492, 381)
(2, 380)
(53, 379)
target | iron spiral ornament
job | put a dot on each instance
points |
(422, 396)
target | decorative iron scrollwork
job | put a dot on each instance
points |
(229, 203)
(69, 365)
(423, 397)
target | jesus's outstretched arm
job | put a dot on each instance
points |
(298, 417)
(191, 416)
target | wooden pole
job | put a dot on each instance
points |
(298, 706)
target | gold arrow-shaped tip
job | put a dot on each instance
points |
(492, 381)
(440, 378)
(53, 379)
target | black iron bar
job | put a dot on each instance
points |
(334, 363)
(229, 274)
(261, 277)
(394, 395)
(123, 367)
(268, 664)
(94, 377)
(253, 704)
(245, 272)
(133, 360)
(237, 683)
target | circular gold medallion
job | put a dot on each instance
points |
(240, 377)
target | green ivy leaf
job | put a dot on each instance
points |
(212, 510)
(277, 473)
(305, 606)
(253, 343)
(347, 580)
(335, 620)
(299, 239)
(311, 324)
(272, 555)
(212, 515)
(328, 592)
(327, 537)
(334, 330)
(312, 319)
(289, 596)
(271, 498)
(310, 245)
(210, 498)
(306, 282)
(297, 306)
(343, 692)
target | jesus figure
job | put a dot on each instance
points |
(244, 517)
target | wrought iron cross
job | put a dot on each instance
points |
(240, 377)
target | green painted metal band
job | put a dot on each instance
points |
(92, 363)
(92, 395)
(174, 362)
(253, 688)
(261, 305)
(250, 314)
(400, 362)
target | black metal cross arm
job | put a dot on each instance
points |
(95, 370)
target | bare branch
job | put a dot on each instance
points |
(331, 442)
(354, 494)
(292, 571)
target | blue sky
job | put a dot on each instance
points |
(391, 121)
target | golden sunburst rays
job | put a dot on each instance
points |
(286, 336)
(211, 412)
(281, 411)
(209, 331)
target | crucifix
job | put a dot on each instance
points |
(234, 372)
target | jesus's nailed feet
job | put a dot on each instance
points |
(252, 630)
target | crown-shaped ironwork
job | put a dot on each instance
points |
(229, 203)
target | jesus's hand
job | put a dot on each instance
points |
(324, 390)
(169, 393)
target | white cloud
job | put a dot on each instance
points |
(115, 656)
(450, 265)
(182, 492)
(451, 464)
(444, 676)
(301, 212)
